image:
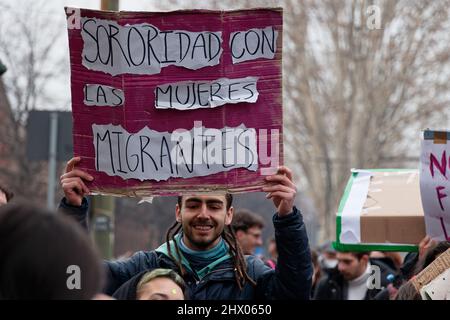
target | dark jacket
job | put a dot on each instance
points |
(128, 291)
(334, 287)
(406, 272)
(291, 279)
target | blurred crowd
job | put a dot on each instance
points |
(49, 255)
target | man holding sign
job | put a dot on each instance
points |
(203, 248)
(187, 102)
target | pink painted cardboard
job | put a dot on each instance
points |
(139, 111)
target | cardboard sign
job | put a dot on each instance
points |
(381, 210)
(170, 102)
(438, 288)
(433, 270)
(434, 183)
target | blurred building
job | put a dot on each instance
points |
(6, 125)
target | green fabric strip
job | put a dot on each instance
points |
(373, 247)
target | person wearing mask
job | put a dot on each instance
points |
(327, 257)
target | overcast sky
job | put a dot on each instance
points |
(53, 11)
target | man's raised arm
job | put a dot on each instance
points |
(75, 205)
(293, 275)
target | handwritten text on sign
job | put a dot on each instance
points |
(434, 184)
(144, 49)
(154, 155)
(201, 94)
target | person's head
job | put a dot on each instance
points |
(45, 256)
(205, 220)
(327, 256)
(395, 257)
(435, 251)
(248, 229)
(352, 265)
(5, 195)
(161, 284)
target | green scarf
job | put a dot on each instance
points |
(191, 259)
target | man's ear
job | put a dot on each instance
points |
(239, 234)
(365, 259)
(229, 216)
(178, 213)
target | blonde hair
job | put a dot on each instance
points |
(161, 273)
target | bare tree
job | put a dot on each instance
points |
(27, 47)
(361, 78)
(357, 95)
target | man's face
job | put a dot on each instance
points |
(160, 288)
(2, 198)
(349, 265)
(203, 219)
(249, 239)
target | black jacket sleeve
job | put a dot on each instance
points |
(120, 271)
(79, 214)
(292, 278)
(117, 272)
(328, 289)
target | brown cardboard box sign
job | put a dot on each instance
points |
(392, 212)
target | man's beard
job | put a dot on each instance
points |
(201, 243)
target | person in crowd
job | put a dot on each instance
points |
(393, 259)
(45, 256)
(271, 261)
(431, 253)
(350, 280)
(157, 284)
(5, 195)
(327, 258)
(248, 228)
(407, 270)
(317, 271)
(202, 248)
(407, 290)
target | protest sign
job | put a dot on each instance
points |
(434, 183)
(380, 210)
(438, 288)
(170, 102)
